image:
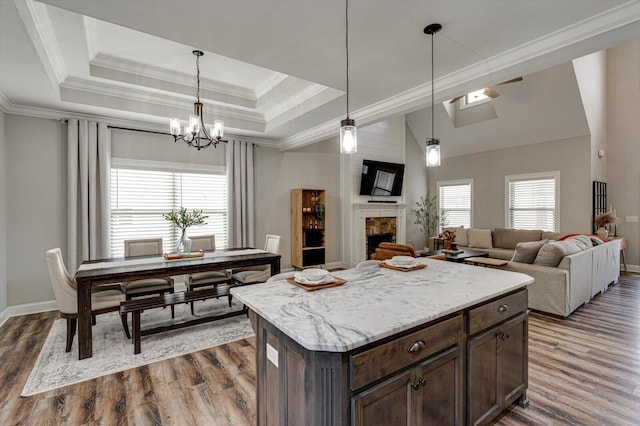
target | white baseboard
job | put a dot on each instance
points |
(26, 309)
(631, 268)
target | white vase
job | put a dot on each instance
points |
(184, 244)
(602, 232)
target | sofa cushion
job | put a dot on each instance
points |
(500, 253)
(461, 235)
(551, 254)
(550, 235)
(479, 238)
(526, 251)
(509, 238)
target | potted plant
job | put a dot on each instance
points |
(183, 219)
(426, 215)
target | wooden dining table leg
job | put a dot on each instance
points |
(85, 342)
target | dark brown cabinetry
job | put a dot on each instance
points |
(308, 224)
(417, 377)
(497, 362)
(429, 394)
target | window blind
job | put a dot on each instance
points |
(455, 204)
(532, 204)
(139, 197)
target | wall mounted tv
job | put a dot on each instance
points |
(380, 178)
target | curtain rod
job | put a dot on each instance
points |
(139, 130)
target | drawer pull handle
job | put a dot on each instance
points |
(503, 308)
(417, 346)
(503, 336)
(416, 385)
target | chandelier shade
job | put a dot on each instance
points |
(196, 134)
(433, 144)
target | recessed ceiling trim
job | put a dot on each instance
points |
(270, 83)
(138, 68)
(92, 38)
(38, 25)
(4, 103)
(133, 93)
(313, 89)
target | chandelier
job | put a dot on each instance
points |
(196, 134)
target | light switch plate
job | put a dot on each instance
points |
(631, 219)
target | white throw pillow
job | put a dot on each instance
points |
(480, 238)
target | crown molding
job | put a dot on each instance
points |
(270, 83)
(294, 101)
(522, 56)
(104, 88)
(150, 71)
(62, 115)
(37, 23)
(91, 35)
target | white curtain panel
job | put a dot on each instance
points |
(88, 200)
(239, 163)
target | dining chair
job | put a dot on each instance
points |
(64, 288)
(149, 286)
(209, 278)
(257, 274)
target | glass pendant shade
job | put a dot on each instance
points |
(433, 152)
(194, 123)
(217, 130)
(174, 127)
(348, 137)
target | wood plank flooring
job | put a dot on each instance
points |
(584, 370)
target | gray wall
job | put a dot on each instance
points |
(276, 173)
(36, 204)
(623, 153)
(3, 217)
(488, 170)
(415, 186)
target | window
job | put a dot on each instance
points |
(532, 201)
(141, 191)
(455, 201)
(474, 98)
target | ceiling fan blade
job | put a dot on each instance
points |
(513, 80)
(490, 92)
(456, 99)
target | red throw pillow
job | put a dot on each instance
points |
(588, 235)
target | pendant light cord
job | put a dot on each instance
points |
(346, 18)
(198, 76)
(432, 91)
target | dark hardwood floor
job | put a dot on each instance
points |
(584, 370)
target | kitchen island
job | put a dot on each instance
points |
(446, 344)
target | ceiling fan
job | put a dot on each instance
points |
(488, 91)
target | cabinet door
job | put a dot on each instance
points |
(482, 375)
(384, 404)
(513, 341)
(441, 393)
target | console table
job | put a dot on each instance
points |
(623, 245)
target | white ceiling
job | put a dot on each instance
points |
(275, 70)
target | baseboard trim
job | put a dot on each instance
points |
(27, 309)
(631, 268)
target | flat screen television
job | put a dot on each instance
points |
(380, 178)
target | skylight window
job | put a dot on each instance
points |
(474, 98)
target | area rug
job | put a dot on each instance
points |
(113, 352)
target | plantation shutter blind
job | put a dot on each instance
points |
(139, 197)
(455, 203)
(532, 204)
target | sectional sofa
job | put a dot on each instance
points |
(568, 269)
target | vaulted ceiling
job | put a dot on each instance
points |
(275, 70)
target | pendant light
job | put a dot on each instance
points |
(348, 131)
(433, 144)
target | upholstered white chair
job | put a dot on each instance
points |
(209, 278)
(64, 288)
(145, 287)
(258, 274)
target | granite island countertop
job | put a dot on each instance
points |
(375, 302)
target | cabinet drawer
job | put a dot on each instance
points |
(499, 310)
(378, 362)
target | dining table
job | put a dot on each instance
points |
(93, 273)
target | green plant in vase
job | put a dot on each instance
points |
(183, 219)
(426, 215)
